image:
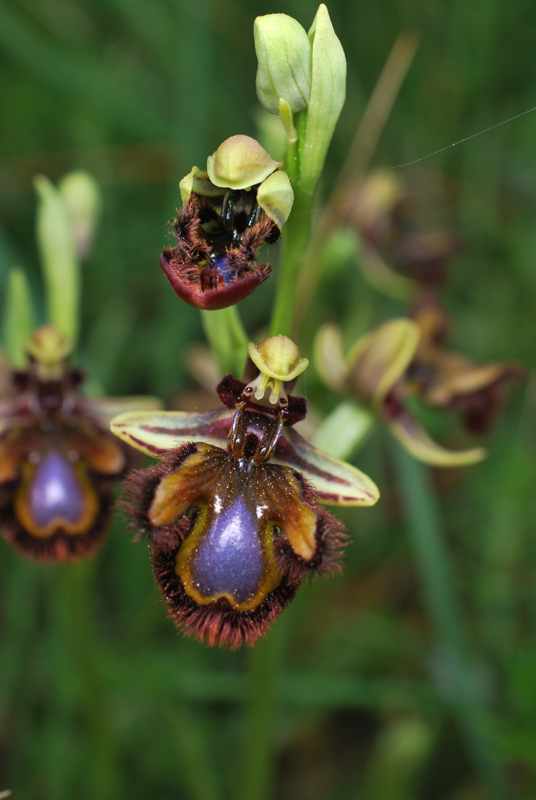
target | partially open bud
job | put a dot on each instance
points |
(284, 55)
(230, 211)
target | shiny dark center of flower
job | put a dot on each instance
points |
(55, 492)
(225, 269)
(229, 559)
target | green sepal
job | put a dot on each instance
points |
(82, 197)
(239, 163)
(328, 91)
(61, 268)
(275, 197)
(198, 182)
(344, 430)
(19, 320)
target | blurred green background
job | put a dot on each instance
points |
(355, 695)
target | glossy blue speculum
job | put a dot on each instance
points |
(229, 559)
(229, 551)
(55, 492)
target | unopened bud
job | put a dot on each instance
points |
(284, 56)
(82, 198)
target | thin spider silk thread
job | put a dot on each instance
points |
(467, 138)
(449, 146)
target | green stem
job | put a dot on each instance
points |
(80, 660)
(259, 752)
(227, 338)
(295, 239)
(458, 674)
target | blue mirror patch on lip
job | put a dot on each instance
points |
(229, 559)
(55, 492)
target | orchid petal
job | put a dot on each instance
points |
(457, 377)
(416, 441)
(380, 358)
(329, 357)
(382, 277)
(334, 481)
(158, 432)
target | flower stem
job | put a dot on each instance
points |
(295, 239)
(456, 673)
(259, 749)
(227, 338)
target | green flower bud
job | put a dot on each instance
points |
(82, 197)
(284, 56)
(239, 163)
(328, 90)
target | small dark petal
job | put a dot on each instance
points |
(229, 391)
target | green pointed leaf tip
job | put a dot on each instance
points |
(328, 90)
(82, 197)
(58, 255)
(284, 62)
(19, 320)
(239, 163)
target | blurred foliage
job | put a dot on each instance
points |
(99, 698)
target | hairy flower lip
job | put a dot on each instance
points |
(274, 492)
(58, 461)
(210, 299)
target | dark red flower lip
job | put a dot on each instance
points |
(223, 296)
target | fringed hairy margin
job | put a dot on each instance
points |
(217, 623)
(138, 491)
(60, 546)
